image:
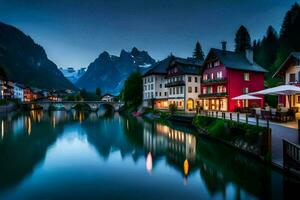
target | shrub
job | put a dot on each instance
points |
(173, 108)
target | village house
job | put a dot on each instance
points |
(183, 83)
(155, 94)
(19, 91)
(227, 74)
(172, 81)
(108, 98)
(7, 89)
(28, 94)
(290, 72)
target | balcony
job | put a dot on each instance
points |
(214, 81)
(176, 83)
(223, 94)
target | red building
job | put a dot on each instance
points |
(228, 74)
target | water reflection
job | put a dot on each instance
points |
(152, 153)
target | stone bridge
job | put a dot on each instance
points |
(68, 105)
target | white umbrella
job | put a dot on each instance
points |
(245, 97)
(279, 90)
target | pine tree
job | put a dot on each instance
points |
(289, 34)
(198, 53)
(265, 53)
(242, 40)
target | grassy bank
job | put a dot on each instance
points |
(250, 138)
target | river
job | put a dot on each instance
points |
(75, 155)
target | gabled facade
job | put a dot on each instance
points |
(155, 93)
(290, 72)
(19, 91)
(228, 74)
(108, 98)
(183, 83)
(172, 81)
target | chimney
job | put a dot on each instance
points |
(224, 43)
(249, 55)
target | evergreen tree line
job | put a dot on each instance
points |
(271, 51)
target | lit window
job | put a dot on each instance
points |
(212, 76)
(205, 77)
(245, 90)
(246, 76)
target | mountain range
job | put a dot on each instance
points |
(72, 74)
(26, 62)
(109, 72)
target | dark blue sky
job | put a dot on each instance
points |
(74, 32)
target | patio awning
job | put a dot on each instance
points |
(245, 97)
(279, 90)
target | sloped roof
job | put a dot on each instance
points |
(237, 61)
(282, 66)
(186, 65)
(159, 67)
(296, 55)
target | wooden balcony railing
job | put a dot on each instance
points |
(214, 81)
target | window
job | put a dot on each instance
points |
(212, 76)
(177, 90)
(292, 77)
(189, 79)
(245, 90)
(219, 75)
(145, 87)
(209, 90)
(190, 89)
(170, 91)
(181, 90)
(204, 90)
(151, 86)
(156, 94)
(205, 77)
(160, 85)
(174, 91)
(165, 93)
(217, 63)
(160, 94)
(246, 77)
(196, 79)
(196, 89)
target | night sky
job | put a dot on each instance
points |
(75, 32)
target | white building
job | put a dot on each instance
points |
(172, 81)
(18, 91)
(108, 98)
(155, 93)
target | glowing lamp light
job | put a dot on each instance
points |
(149, 162)
(186, 167)
(238, 103)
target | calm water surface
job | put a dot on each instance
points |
(70, 155)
